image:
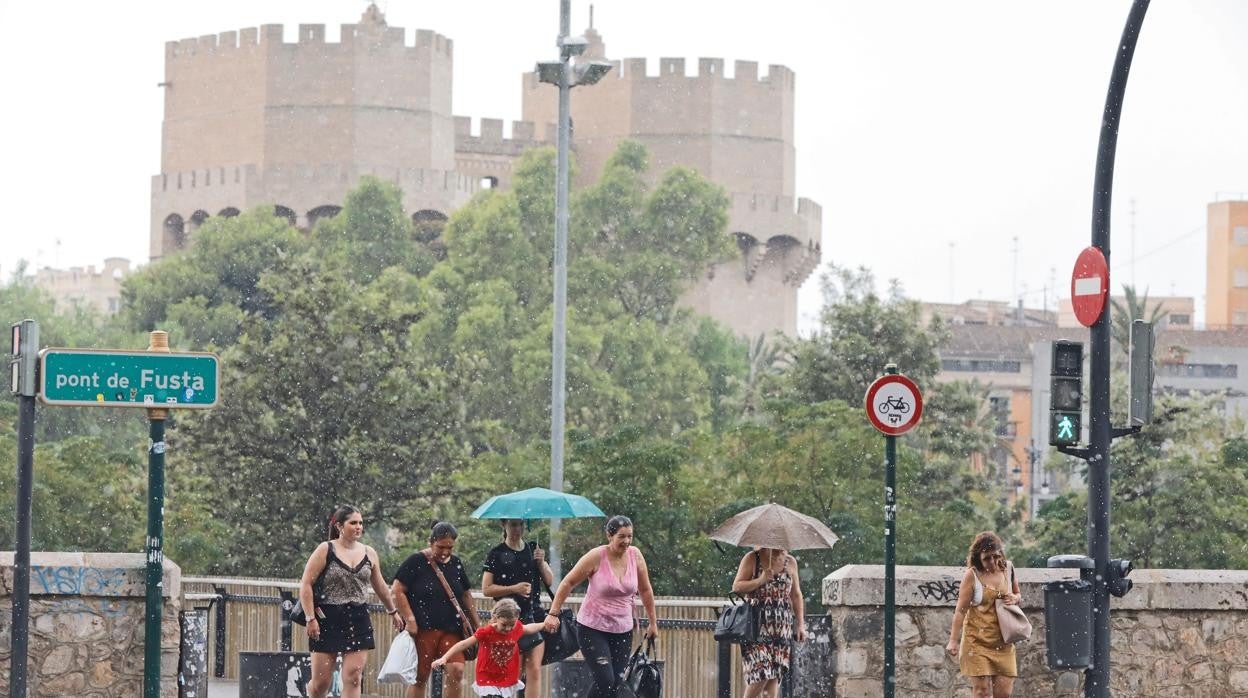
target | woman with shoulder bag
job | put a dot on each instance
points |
(983, 655)
(338, 623)
(767, 578)
(616, 573)
(511, 571)
(434, 596)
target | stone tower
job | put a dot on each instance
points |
(252, 120)
(736, 131)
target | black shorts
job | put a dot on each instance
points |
(344, 628)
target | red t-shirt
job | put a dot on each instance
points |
(498, 656)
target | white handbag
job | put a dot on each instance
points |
(401, 661)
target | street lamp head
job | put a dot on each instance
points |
(591, 72)
(572, 45)
(549, 71)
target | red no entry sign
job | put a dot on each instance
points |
(1089, 286)
(894, 404)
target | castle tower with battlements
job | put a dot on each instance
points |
(736, 131)
(251, 119)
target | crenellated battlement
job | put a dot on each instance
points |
(374, 35)
(713, 69)
(489, 138)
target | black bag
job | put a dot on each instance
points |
(643, 675)
(297, 615)
(537, 614)
(737, 622)
(565, 641)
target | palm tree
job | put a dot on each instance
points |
(1135, 308)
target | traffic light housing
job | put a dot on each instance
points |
(23, 357)
(1066, 393)
(1116, 577)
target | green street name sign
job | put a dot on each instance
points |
(106, 378)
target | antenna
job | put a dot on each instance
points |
(952, 247)
(1014, 282)
(591, 15)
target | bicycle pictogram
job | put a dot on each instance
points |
(894, 407)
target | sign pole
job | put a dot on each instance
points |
(154, 547)
(894, 405)
(1096, 678)
(25, 350)
(890, 559)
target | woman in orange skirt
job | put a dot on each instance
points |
(983, 656)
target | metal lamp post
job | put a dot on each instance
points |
(565, 74)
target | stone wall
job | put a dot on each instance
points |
(1177, 633)
(86, 625)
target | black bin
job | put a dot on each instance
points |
(273, 674)
(1068, 614)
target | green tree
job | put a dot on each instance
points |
(1176, 471)
(859, 332)
(202, 295)
(329, 402)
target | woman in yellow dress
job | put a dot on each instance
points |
(984, 658)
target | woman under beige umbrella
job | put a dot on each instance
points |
(767, 578)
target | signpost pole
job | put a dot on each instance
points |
(1096, 678)
(25, 348)
(894, 405)
(154, 547)
(890, 560)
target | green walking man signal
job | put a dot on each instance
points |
(1066, 394)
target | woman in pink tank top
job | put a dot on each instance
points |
(617, 573)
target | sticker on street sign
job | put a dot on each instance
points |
(105, 378)
(1089, 286)
(894, 404)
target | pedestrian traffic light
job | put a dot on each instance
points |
(1066, 393)
(24, 357)
(1116, 577)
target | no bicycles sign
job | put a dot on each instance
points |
(894, 404)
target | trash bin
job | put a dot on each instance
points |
(575, 681)
(1068, 614)
(273, 674)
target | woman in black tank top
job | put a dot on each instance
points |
(343, 569)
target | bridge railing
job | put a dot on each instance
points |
(245, 615)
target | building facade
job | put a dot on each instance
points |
(253, 120)
(1226, 279)
(76, 287)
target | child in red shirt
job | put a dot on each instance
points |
(498, 660)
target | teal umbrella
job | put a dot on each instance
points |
(537, 503)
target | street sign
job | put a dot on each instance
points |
(106, 378)
(1089, 286)
(894, 404)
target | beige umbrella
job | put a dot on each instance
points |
(775, 526)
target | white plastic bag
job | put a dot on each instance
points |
(400, 664)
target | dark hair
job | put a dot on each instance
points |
(338, 518)
(615, 523)
(443, 529)
(986, 542)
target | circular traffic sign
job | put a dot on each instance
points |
(1089, 286)
(894, 404)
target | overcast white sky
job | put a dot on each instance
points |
(934, 134)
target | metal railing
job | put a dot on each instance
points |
(248, 615)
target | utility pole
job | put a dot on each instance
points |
(25, 351)
(1101, 432)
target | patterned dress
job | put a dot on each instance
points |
(769, 657)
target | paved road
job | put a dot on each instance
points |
(218, 688)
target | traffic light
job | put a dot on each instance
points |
(1066, 393)
(1116, 577)
(24, 357)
